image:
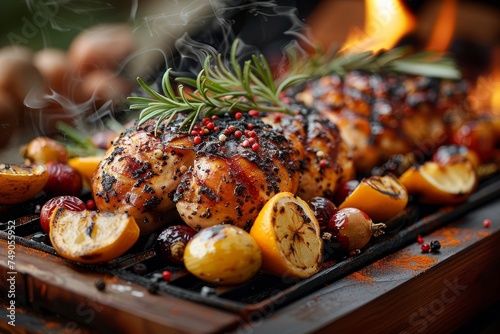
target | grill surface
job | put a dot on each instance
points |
(263, 291)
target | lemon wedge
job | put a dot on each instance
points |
(19, 183)
(90, 236)
(381, 197)
(436, 183)
(288, 234)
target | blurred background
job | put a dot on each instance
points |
(76, 61)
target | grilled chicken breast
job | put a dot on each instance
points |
(140, 172)
(380, 115)
(222, 173)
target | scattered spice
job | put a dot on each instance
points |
(450, 236)
(406, 261)
(360, 276)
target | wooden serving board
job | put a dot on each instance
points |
(390, 287)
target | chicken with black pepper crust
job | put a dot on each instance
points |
(223, 171)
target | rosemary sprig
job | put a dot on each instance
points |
(400, 60)
(218, 89)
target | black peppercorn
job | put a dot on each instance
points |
(153, 288)
(100, 284)
(435, 246)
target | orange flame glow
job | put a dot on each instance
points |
(495, 94)
(386, 21)
(485, 96)
(444, 28)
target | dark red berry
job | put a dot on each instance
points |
(197, 140)
(171, 242)
(255, 147)
(238, 133)
(194, 132)
(435, 246)
(486, 223)
(238, 115)
(323, 210)
(90, 204)
(210, 125)
(323, 163)
(250, 126)
(425, 248)
(420, 240)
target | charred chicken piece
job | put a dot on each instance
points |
(140, 172)
(380, 115)
(326, 160)
(223, 173)
(235, 172)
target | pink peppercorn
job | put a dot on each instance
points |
(167, 275)
(253, 112)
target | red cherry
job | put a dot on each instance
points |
(63, 180)
(67, 202)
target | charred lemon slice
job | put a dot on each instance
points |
(19, 183)
(381, 197)
(435, 183)
(90, 236)
(288, 234)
